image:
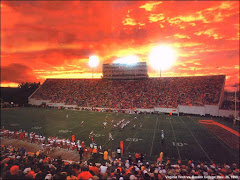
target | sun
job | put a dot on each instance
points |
(162, 57)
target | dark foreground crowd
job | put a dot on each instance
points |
(130, 94)
(16, 163)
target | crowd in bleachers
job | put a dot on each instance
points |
(16, 163)
(130, 94)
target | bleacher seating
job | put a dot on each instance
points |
(126, 94)
(16, 163)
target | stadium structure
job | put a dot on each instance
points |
(128, 88)
(125, 71)
(140, 137)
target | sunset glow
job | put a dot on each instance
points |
(54, 39)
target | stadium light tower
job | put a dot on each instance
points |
(93, 62)
(161, 58)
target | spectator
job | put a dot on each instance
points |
(126, 94)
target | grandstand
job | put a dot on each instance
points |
(125, 94)
(146, 94)
(191, 147)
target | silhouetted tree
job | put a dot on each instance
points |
(19, 95)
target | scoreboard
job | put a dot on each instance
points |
(125, 71)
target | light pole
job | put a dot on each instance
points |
(92, 72)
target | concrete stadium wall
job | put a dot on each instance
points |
(213, 110)
(40, 102)
(166, 110)
(227, 113)
(198, 110)
(70, 106)
(144, 110)
(37, 102)
(56, 104)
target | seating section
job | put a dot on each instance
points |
(125, 94)
(16, 163)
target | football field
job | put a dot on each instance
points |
(185, 137)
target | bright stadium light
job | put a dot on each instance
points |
(161, 58)
(128, 60)
(93, 62)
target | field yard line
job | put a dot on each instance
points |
(175, 140)
(54, 127)
(75, 127)
(109, 140)
(196, 140)
(135, 134)
(223, 144)
(153, 137)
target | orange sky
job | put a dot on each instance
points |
(46, 39)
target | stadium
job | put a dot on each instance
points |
(180, 117)
(127, 90)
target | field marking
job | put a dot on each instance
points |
(175, 140)
(113, 136)
(109, 139)
(136, 133)
(153, 137)
(195, 139)
(213, 135)
(220, 125)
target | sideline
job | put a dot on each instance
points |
(212, 122)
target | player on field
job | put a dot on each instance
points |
(134, 126)
(110, 137)
(82, 123)
(91, 135)
(67, 116)
(162, 136)
(105, 124)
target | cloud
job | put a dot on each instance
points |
(156, 17)
(150, 6)
(55, 39)
(17, 73)
(210, 33)
(181, 36)
(131, 22)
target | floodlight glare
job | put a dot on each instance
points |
(93, 61)
(128, 60)
(162, 57)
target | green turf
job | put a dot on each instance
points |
(185, 138)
